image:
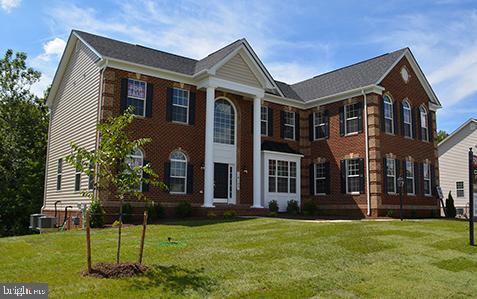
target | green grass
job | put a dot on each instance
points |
(272, 258)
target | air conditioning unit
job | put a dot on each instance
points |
(34, 220)
(46, 222)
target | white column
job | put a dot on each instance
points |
(257, 169)
(209, 149)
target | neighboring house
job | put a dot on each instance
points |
(226, 135)
(454, 164)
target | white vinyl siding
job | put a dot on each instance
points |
(74, 115)
(237, 70)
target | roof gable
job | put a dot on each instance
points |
(237, 69)
(456, 132)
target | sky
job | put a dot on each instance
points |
(295, 40)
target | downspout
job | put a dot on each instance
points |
(101, 77)
(368, 194)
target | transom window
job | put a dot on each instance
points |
(388, 115)
(137, 96)
(136, 159)
(320, 178)
(281, 176)
(391, 175)
(424, 129)
(178, 173)
(319, 124)
(460, 188)
(180, 105)
(352, 176)
(407, 118)
(289, 125)
(224, 122)
(59, 172)
(264, 121)
(426, 167)
(352, 118)
(410, 178)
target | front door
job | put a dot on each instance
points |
(221, 181)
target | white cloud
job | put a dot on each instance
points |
(292, 72)
(52, 49)
(9, 5)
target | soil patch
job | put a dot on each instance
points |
(108, 270)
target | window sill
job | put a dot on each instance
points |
(320, 194)
(392, 193)
(177, 193)
(320, 139)
(390, 134)
(408, 137)
(353, 193)
(289, 139)
(351, 134)
(180, 123)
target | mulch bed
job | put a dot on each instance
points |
(108, 270)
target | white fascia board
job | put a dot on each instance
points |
(231, 86)
(282, 154)
(451, 135)
(87, 45)
(284, 101)
(344, 95)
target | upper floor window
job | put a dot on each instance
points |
(407, 118)
(59, 172)
(424, 122)
(320, 125)
(388, 115)
(264, 121)
(178, 173)
(391, 175)
(410, 185)
(460, 188)
(136, 159)
(137, 96)
(426, 170)
(352, 118)
(289, 125)
(224, 122)
(180, 105)
(77, 180)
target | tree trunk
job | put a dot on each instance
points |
(143, 236)
(119, 228)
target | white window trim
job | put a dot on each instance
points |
(137, 98)
(429, 179)
(459, 189)
(290, 125)
(411, 177)
(288, 176)
(318, 178)
(346, 119)
(315, 125)
(91, 178)
(59, 173)
(351, 176)
(234, 119)
(76, 174)
(141, 156)
(180, 177)
(393, 176)
(423, 111)
(264, 121)
(390, 103)
(408, 108)
(181, 106)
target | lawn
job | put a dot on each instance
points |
(258, 258)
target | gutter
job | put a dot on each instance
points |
(368, 193)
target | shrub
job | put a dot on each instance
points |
(155, 211)
(229, 214)
(390, 213)
(292, 207)
(450, 207)
(127, 213)
(272, 214)
(183, 209)
(273, 206)
(413, 214)
(96, 212)
(211, 215)
(309, 207)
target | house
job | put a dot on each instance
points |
(454, 164)
(226, 135)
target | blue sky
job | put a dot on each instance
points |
(294, 39)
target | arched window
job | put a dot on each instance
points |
(407, 118)
(134, 160)
(224, 122)
(424, 128)
(178, 173)
(388, 115)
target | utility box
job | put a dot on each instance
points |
(46, 222)
(34, 220)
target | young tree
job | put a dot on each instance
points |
(23, 139)
(113, 171)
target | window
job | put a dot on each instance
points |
(427, 178)
(320, 178)
(391, 175)
(59, 170)
(264, 121)
(289, 125)
(407, 119)
(352, 118)
(319, 125)
(352, 176)
(424, 129)
(91, 177)
(224, 122)
(388, 115)
(404, 74)
(77, 180)
(281, 176)
(180, 105)
(178, 173)
(136, 159)
(137, 96)
(460, 188)
(410, 178)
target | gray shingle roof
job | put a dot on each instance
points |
(350, 77)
